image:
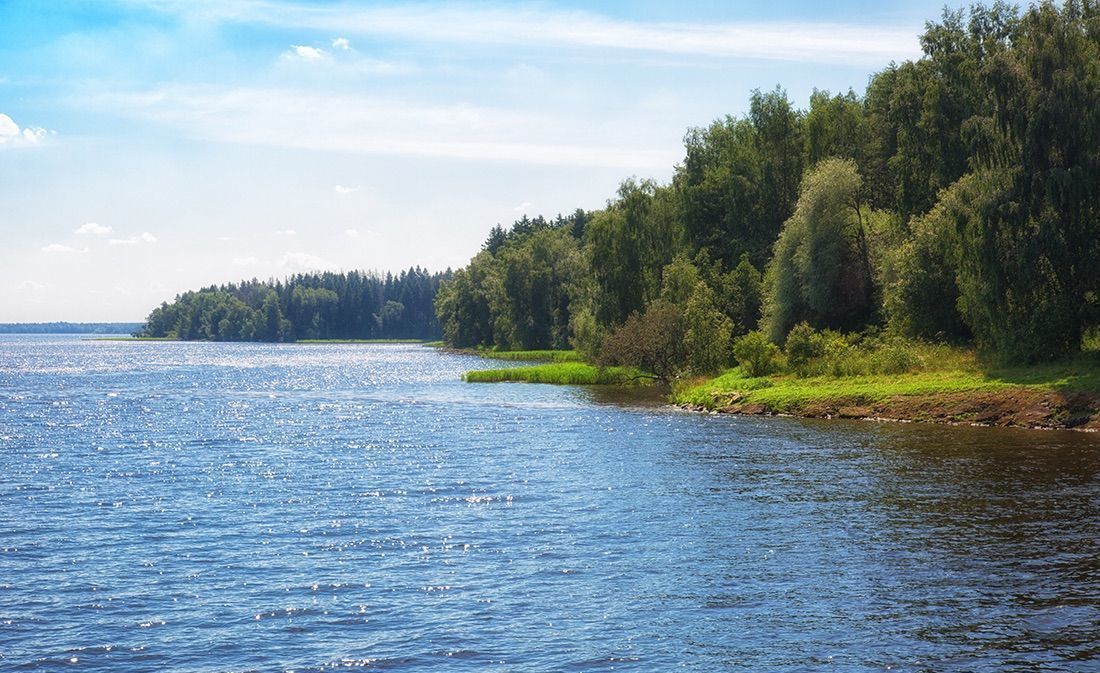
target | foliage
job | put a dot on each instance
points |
(1028, 269)
(519, 291)
(653, 341)
(921, 294)
(803, 345)
(957, 198)
(756, 355)
(740, 293)
(535, 279)
(628, 244)
(351, 305)
(679, 280)
(707, 334)
(821, 271)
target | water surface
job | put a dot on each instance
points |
(221, 507)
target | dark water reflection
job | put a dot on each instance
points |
(245, 507)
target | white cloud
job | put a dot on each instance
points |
(302, 261)
(145, 237)
(285, 232)
(365, 124)
(30, 286)
(341, 43)
(13, 136)
(522, 207)
(307, 53)
(61, 249)
(341, 189)
(351, 233)
(94, 229)
(536, 26)
(246, 261)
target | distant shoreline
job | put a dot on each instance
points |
(299, 341)
(64, 327)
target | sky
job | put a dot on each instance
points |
(149, 147)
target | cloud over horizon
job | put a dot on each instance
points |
(11, 135)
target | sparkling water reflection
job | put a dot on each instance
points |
(216, 507)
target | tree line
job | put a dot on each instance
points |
(956, 199)
(353, 305)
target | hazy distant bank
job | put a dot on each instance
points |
(69, 327)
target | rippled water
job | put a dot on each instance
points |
(214, 507)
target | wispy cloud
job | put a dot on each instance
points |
(11, 135)
(246, 261)
(351, 233)
(341, 43)
(341, 189)
(536, 25)
(522, 207)
(303, 261)
(61, 249)
(365, 124)
(145, 237)
(286, 232)
(93, 229)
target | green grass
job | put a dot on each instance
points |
(786, 393)
(532, 356)
(360, 341)
(131, 338)
(562, 373)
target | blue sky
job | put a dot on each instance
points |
(150, 147)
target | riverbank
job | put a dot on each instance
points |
(516, 356)
(951, 388)
(562, 373)
(1048, 397)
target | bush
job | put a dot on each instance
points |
(803, 345)
(756, 355)
(653, 341)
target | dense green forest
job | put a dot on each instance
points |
(957, 199)
(353, 305)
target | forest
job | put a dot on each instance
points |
(956, 200)
(354, 305)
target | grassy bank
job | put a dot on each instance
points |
(1063, 395)
(562, 373)
(130, 338)
(527, 356)
(360, 341)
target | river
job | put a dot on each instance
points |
(240, 507)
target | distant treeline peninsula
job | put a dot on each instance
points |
(957, 199)
(353, 305)
(69, 327)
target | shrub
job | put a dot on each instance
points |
(803, 345)
(756, 355)
(653, 341)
